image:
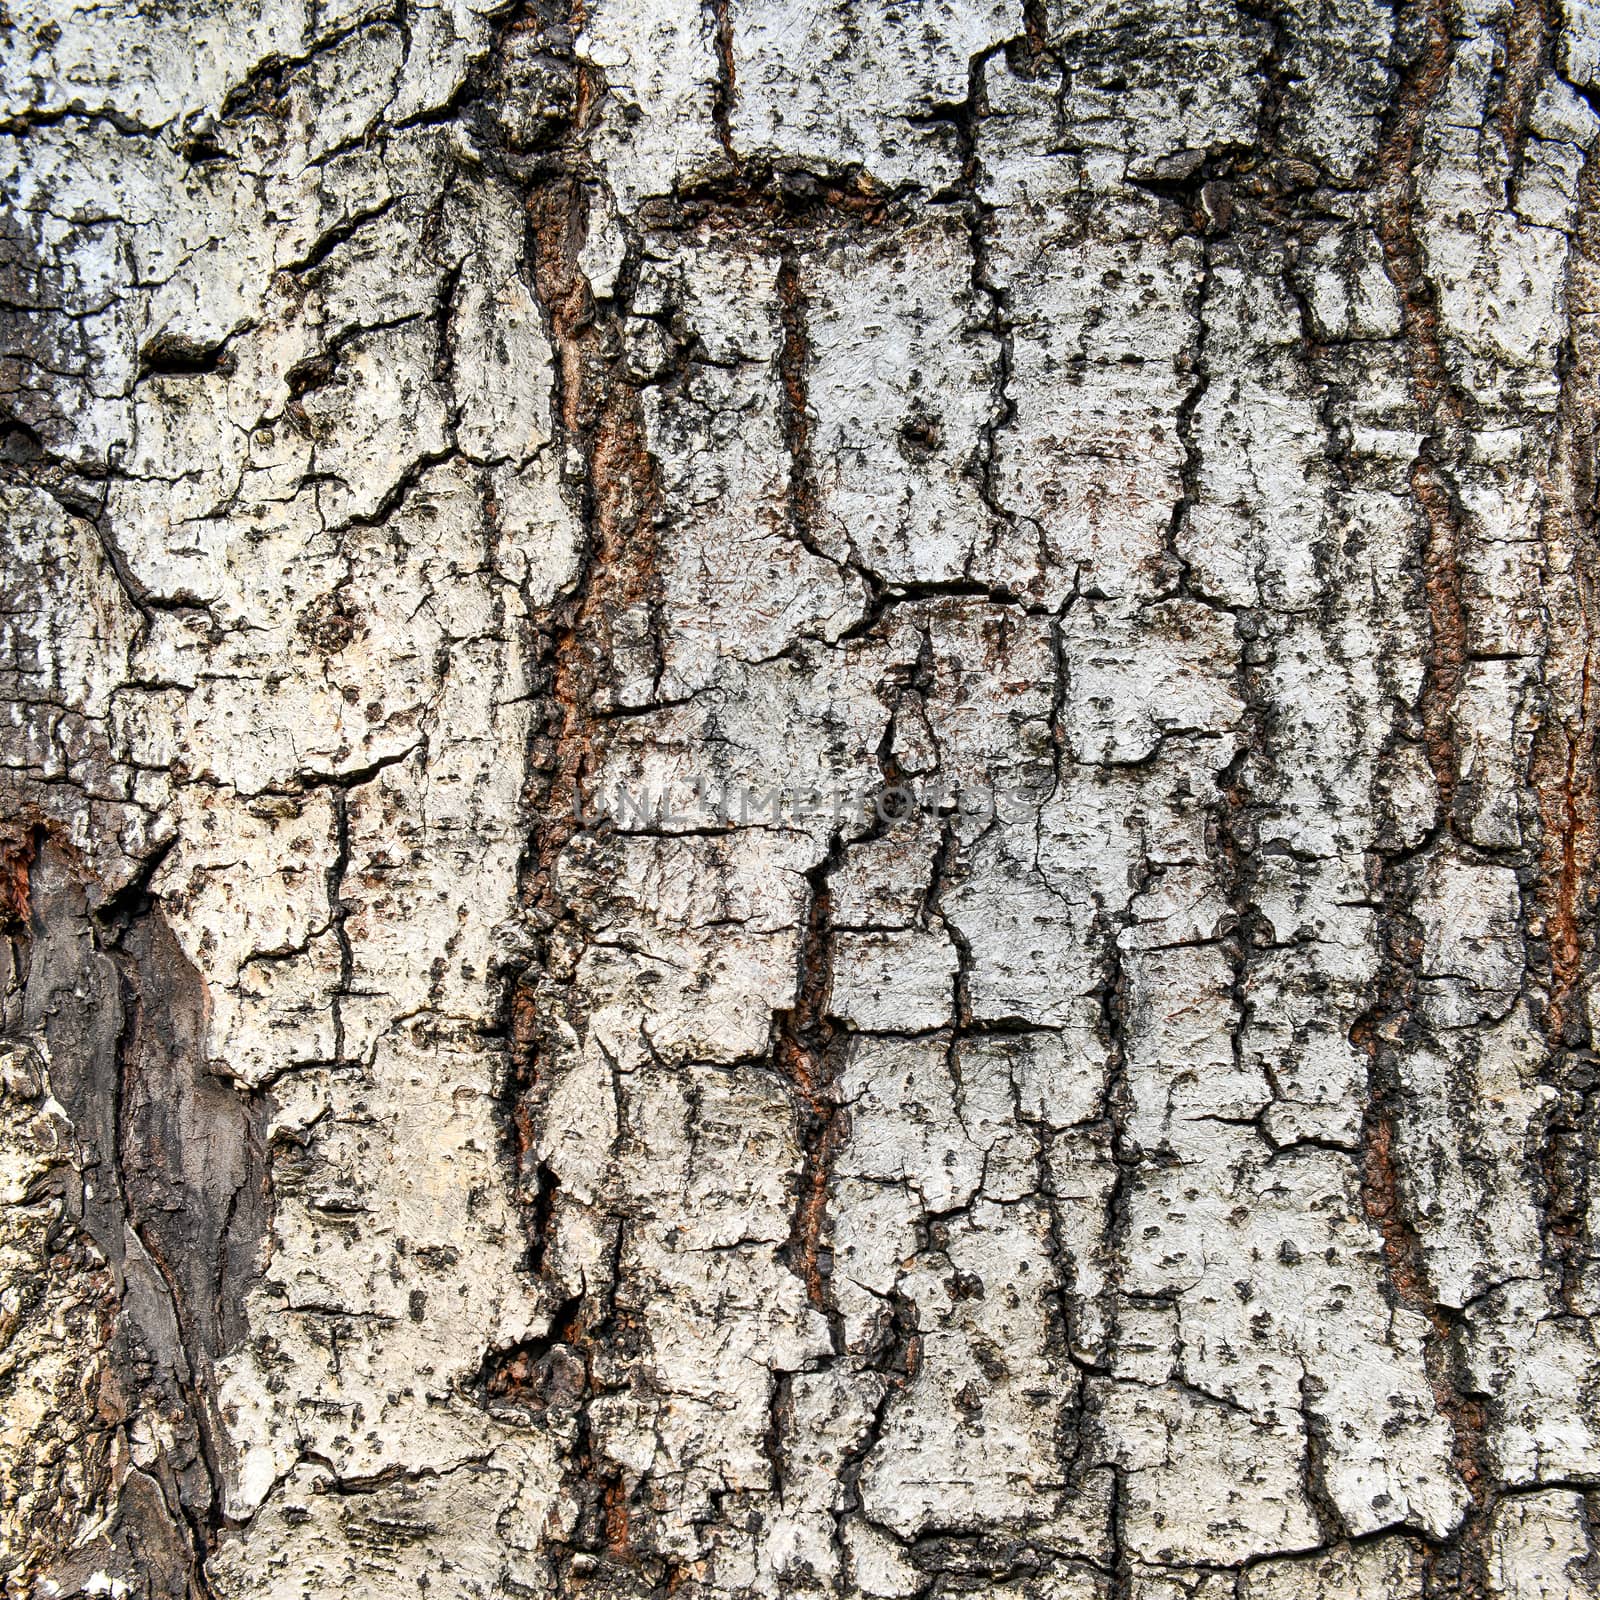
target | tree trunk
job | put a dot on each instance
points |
(802, 799)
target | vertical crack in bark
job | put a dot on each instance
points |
(793, 356)
(1389, 1021)
(339, 914)
(1441, 581)
(1184, 427)
(1115, 1110)
(1439, 404)
(578, 643)
(727, 79)
(1527, 50)
(998, 322)
(804, 1039)
(1564, 765)
(583, 646)
(1377, 1034)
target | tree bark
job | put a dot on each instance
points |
(800, 799)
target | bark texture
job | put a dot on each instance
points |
(452, 1143)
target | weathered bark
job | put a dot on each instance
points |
(800, 799)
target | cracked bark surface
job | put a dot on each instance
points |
(452, 1144)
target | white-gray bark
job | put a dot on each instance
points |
(800, 798)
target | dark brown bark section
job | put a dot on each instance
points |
(166, 1186)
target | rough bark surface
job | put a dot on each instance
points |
(455, 1142)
